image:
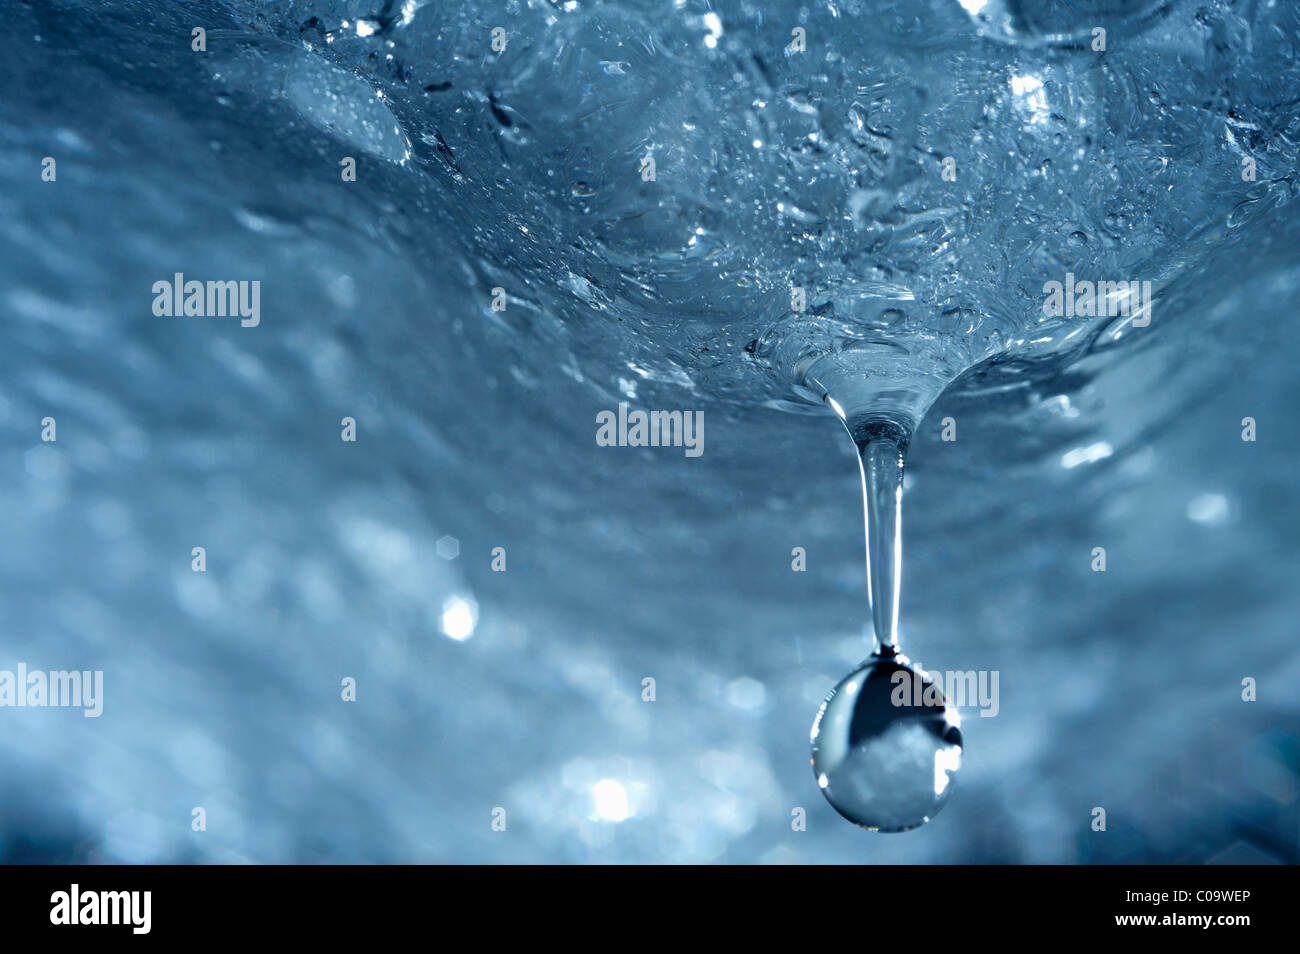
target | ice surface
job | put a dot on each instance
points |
(522, 171)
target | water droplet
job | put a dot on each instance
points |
(885, 745)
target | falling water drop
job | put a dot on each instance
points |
(885, 743)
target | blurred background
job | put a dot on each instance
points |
(779, 162)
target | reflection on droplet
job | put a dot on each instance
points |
(886, 745)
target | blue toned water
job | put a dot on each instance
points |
(523, 170)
